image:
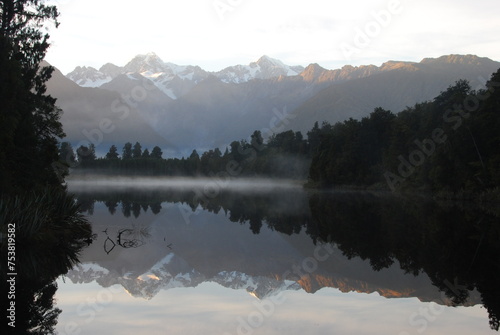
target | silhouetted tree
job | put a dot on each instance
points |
(66, 153)
(156, 152)
(257, 141)
(127, 151)
(137, 150)
(29, 118)
(112, 153)
(86, 154)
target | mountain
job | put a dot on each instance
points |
(265, 68)
(393, 86)
(192, 108)
(172, 272)
(175, 80)
(88, 76)
(99, 116)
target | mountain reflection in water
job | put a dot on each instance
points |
(400, 247)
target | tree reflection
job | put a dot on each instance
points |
(456, 246)
(288, 213)
(47, 246)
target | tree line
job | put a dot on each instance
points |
(449, 145)
(286, 154)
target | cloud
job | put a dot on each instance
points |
(194, 33)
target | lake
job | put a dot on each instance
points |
(209, 256)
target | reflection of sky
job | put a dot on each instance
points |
(213, 309)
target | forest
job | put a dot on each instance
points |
(449, 145)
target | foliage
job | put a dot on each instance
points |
(29, 118)
(45, 216)
(458, 248)
(50, 231)
(112, 153)
(449, 145)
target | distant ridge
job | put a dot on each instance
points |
(192, 108)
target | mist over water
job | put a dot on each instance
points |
(96, 183)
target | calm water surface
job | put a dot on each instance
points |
(258, 257)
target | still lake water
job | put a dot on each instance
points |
(261, 257)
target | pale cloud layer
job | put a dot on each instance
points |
(218, 33)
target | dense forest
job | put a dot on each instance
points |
(447, 145)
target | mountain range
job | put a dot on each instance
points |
(183, 107)
(166, 76)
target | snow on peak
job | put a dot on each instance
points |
(264, 68)
(88, 76)
(268, 61)
(145, 63)
(176, 80)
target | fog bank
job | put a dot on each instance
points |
(96, 183)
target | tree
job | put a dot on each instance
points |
(194, 155)
(314, 138)
(156, 152)
(127, 151)
(112, 153)
(193, 164)
(67, 159)
(236, 150)
(29, 119)
(145, 153)
(86, 154)
(66, 153)
(256, 140)
(137, 150)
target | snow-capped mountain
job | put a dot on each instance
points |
(265, 68)
(173, 272)
(176, 80)
(88, 76)
(258, 286)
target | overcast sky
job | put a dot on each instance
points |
(218, 33)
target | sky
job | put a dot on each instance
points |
(215, 34)
(212, 309)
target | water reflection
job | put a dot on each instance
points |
(49, 236)
(348, 240)
(457, 247)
